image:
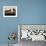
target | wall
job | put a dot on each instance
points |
(29, 12)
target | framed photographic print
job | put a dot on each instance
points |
(9, 11)
(33, 32)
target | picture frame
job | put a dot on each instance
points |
(39, 28)
(9, 11)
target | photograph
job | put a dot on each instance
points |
(9, 11)
(30, 33)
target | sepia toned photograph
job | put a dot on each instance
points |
(10, 11)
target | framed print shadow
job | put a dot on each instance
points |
(9, 11)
